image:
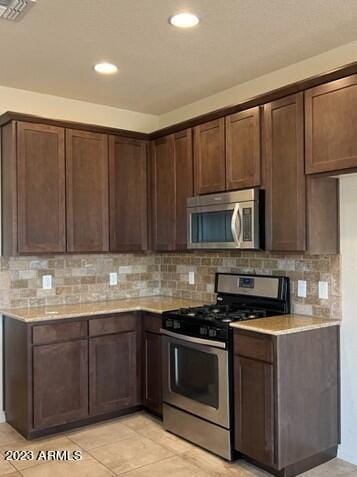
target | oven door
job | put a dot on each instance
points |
(196, 376)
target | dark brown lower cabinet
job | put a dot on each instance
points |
(60, 383)
(152, 391)
(287, 398)
(112, 372)
(72, 372)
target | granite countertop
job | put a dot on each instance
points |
(154, 304)
(284, 324)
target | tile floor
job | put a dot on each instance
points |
(132, 446)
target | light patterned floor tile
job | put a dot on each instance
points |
(216, 466)
(334, 468)
(140, 421)
(85, 468)
(54, 443)
(172, 467)
(166, 439)
(100, 435)
(6, 469)
(9, 435)
(129, 454)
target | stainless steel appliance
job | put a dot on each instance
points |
(197, 357)
(228, 220)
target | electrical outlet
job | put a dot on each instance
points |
(47, 282)
(113, 278)
(302, 288)
(323, 290)
(191, 278)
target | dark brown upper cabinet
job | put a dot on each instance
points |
(128, 194)
(33, 188)
(285, 178)
(243, 156)
(87, 191)
(163, 194)
(171, 185)
(183, 183)
(330, 126)
(209, 157)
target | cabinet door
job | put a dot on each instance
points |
(41, 188)
(330, 127)
(152, 392)
(87, 191)
(285, 178)
(60, 383)
(163, 194)
(209, 157)
(243, 149)
(254, 409)
(128, 194)
(113, 373)
(184, 183)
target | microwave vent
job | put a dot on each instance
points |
(14, 9)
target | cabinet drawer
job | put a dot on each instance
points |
(253, 346)
(152, 323)
(52, 333)
(107, 325)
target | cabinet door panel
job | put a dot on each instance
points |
(113, 373)
(152, 372)
(209, 157)
(184, 183)
(41, 188)
(87, 191)
(163, 194)
(243, 149)
(285, 178)
(254, 417)
(128, 194)
(60, 383)
(331, 118)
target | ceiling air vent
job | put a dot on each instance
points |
(14, 9)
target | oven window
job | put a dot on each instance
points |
(212, 226)
(194, 374)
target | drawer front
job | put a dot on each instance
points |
(53, 333)
(254, 346)
(152, 323)
(107, 325)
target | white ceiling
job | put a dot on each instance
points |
(52, 50)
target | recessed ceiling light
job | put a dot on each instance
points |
(184, 20)
(105, 68)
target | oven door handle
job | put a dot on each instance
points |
(191, 339)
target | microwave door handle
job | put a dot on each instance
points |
(236, 224)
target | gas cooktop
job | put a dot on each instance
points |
(221, 313)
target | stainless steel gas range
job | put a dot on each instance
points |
(197, 357)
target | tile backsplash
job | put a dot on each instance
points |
(77, 278)
(85, 278)
(174, 276)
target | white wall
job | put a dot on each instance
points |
(55, 107)
(316, 65)
(348, 208)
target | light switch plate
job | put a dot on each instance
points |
(302, 288)
(113, 278)
(323, 290)
(47, 282)
(191, 278)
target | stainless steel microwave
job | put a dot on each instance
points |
(227, 220)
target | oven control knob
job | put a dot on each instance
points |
(169, 323)
(177, 325)
(212, 333)
(203, 331)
